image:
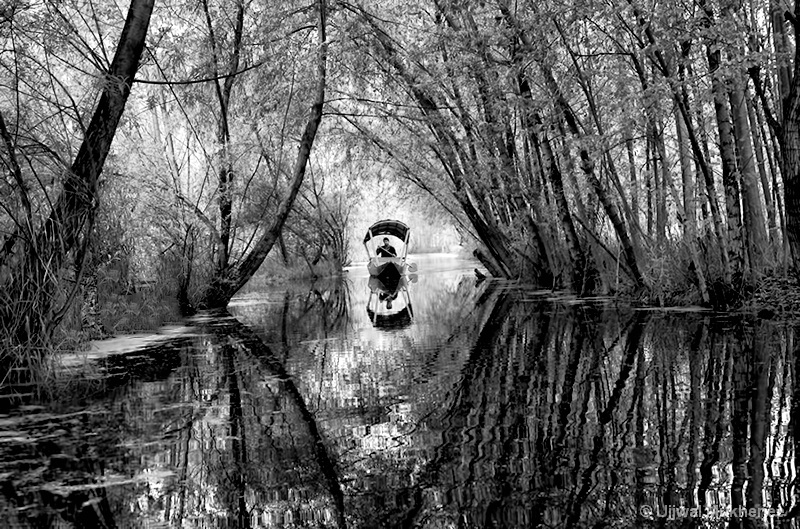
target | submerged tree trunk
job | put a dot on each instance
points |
(36, 260)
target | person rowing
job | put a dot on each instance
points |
(387, 250)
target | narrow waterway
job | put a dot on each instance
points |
(459, 403)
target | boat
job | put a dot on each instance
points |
(388, 269)
(389, 303)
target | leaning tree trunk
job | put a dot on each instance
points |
(682, 102)
(576, 254)
(231, 278)
(588, 168)
(40, 261)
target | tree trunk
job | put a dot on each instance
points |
(690, 207)
(791, 166)
(758, 147)
(587, 163)
(651, 169)
(628, 251)
(755, 230)
(791, 158)
(782, 47)
(67, 227)
(727, 145)
(608, 158)
(448, 149)
(542, 261)
(588, 168)
(223, 90)
(634, 184)
(682, 101)
(661, 180)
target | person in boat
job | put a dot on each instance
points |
(387, 250)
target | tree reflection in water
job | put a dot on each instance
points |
(495, 407)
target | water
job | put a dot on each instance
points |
(483, 404)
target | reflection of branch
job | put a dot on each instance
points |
(250, 342)
(461, 406)
(238, 432)
(605, 416)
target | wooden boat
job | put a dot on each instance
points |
(388, 269)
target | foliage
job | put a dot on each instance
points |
(519, 115)
(603, 148)
(49, 204)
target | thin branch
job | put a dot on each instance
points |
(16, 171)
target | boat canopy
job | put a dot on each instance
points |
(397, 320)
(388, 227)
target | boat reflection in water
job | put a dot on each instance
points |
(389, 302)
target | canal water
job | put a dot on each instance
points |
(466, 404)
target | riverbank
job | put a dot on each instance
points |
(775, 296)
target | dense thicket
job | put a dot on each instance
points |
(597, 146)
(602, 147)
(55, 147)
(209, 161)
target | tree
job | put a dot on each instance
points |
(43, 240)
(232, 276)
(530, 109)
(789, 133)
(230, 90)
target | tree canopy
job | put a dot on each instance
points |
(620, 146)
